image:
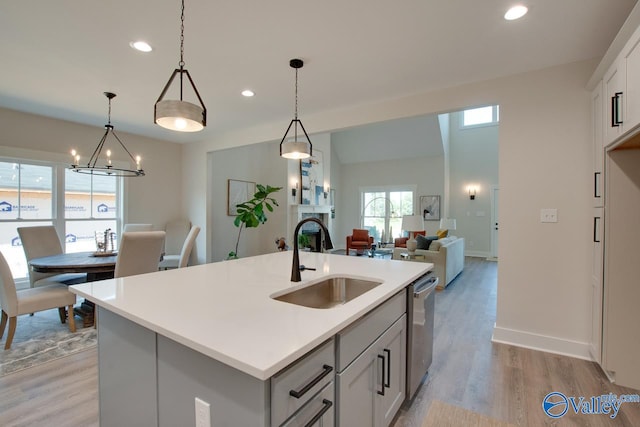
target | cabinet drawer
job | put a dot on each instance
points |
(305, 377)
(320, 410)
(354, 339)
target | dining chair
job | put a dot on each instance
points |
(137, 227)
(177, 231)
(27, 301)
(182, 260)
(139, 253)
(41, 241)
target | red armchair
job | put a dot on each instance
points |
(359, 240)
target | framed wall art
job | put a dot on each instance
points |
(238, 192)
(312, 179)
(430, 208)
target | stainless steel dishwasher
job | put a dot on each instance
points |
(420, 312)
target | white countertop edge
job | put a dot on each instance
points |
(252, 370)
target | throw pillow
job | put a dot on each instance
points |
(442, 233)
(435, 245)
(423, 242)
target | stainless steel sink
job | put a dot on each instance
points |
(329, 292)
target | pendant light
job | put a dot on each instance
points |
(296, 148)
(105, 167)
(180, 115)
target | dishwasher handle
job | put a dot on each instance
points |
(425, 286)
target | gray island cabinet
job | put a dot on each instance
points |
(251, 361)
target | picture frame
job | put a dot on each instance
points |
(312, 179)
(430, 208)
(238, 192)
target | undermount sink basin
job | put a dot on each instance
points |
(329, 292)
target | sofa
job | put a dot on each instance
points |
(447, 256)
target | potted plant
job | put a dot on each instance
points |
(304, 241)
(252, 213)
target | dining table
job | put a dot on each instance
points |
(97, 266)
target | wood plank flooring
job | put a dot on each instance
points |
(500, 381)
(503, 382)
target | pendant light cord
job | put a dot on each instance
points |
(296, 112)
(182, 37)
(109, 113)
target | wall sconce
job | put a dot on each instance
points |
(472, 193)
(294, 190)
(326, 192)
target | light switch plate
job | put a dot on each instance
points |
(548, 215)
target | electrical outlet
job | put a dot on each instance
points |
(203, 413)
(548, 215)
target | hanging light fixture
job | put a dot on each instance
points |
(296, 148)
(107, 168)
(180, 115)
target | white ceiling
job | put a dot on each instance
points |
(58, 57)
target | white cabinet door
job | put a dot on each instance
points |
(614, 87)
(595, 346)
(632, 92)
(597, 107)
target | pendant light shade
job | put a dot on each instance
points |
(299, 147)
(180, 115)
(100, 162)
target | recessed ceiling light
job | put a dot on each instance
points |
(141, 46)
(515, 12)
(248, 93)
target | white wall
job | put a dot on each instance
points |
(544, 157)
(259, 163)
(425, 174)
(474, 160)
(155, 198)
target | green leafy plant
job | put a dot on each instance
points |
(304, 241)
(252, 213)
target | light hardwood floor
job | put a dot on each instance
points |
(500, 381)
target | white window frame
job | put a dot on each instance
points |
(495, 118)
(58, 219)
(386, 190)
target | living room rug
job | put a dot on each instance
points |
(444, 415)
(41, 338)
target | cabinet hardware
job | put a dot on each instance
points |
(595, 229)
(381, 392)
(326, 405)
(388, 380)
(615, 110)
(326, 369)
(596, 187)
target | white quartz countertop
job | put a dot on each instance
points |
(224, 309)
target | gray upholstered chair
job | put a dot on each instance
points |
(41, 241)
(137, 227)
(139, 253)
(182, 260)
(14, 302)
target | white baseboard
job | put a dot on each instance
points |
(545, 343)
(479, 254)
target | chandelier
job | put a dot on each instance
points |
(104, 166)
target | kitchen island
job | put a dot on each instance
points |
(214, 332)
